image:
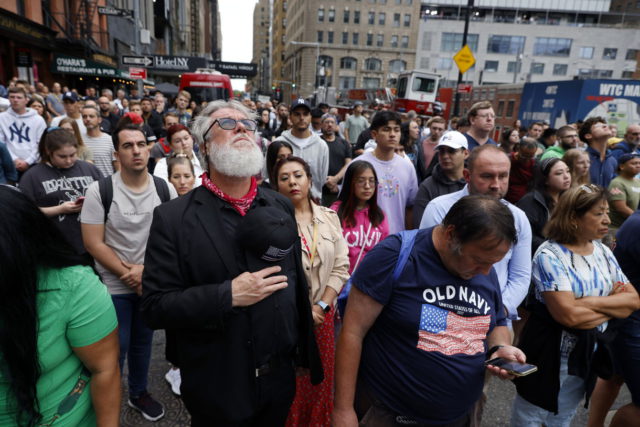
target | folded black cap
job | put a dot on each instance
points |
(267, 235)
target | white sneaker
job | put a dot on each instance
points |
(174, 380)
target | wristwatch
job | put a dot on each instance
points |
(324, 306)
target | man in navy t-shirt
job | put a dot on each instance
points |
(419, 342)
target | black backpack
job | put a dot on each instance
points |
(105, 186)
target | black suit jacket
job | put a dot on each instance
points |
(189, 264)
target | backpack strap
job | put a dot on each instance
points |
(162, 188)
(105, 187)
(408, 238)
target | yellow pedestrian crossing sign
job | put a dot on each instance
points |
(464, 59)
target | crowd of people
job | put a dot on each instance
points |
(308, 268)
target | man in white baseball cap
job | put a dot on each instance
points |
(447, 176)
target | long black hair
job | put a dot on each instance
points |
(348, 201)
(272, 159)
(29, 241)
(541, 173)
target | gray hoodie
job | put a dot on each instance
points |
(21, 133)
(315, 152)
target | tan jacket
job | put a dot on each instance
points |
(331, 262)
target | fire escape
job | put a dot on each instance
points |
(76, 24)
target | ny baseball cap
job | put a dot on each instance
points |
(70, 96)
(300, 102)
(453, 139)
(267, 235)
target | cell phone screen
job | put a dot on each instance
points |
(79, 200)
(515, 368)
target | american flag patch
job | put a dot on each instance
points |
(448, 333)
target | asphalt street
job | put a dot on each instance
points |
(500, 396)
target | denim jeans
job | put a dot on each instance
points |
(135, 341)
(525, 414)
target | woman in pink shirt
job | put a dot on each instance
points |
(363, 222)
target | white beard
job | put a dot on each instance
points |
(236, 162)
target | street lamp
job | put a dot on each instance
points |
(309, 44)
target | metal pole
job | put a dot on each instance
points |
(456, 104)
(136, 38)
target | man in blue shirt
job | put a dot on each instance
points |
(595, 132)
(487, 173)
(413, 343)
(482, 119)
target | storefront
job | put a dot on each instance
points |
(25, 48)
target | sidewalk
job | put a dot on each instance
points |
(496, 412)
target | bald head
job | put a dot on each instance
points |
(488, 171)
(632, 136)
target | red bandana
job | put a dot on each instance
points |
(242, 204)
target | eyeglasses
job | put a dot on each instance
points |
(362, 182)
(230, 124)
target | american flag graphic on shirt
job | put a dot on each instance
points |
(446, 332)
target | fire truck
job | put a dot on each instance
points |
(206, 85)
(418, 91)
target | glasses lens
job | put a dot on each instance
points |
(227, 124)
(249, 124)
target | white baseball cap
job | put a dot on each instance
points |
(453, 139)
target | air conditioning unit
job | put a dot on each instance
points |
(145, 36)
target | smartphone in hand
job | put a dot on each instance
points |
(79, 200)
(514, 368)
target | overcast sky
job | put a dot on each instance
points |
(236, 20)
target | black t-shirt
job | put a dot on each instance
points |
(627, 252)
(49, 186)
(339, 149)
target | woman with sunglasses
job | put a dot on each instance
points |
(326, 264)
(58, 183)
(579, 289)
(181, 141)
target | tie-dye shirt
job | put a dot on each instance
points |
(556, 268)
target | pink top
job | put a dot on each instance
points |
(355, 236)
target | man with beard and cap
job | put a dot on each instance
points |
(568, 138)
(224, 274)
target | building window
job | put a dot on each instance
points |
(560, 69)
(372, 18)
(370, 83)
(444, 63)
(320, 33)
(382, 1)
(347, 82)
(397, 66)
(552, 46)
(510, 107)
(398, 2)
(330, 37)
(394, 41)
(505, 44)
(511, 67)
(323, 77)
(500, 108)
(320, 15)
(381, 18)
(369, 39)
(586, 52)
(404, 42)
(356, 38)
(396, 19)
(356, 16)
(452, 42)
(348, 63)
(609, 53)
(537, 68)
(408, 2)
(627, 74)
(491, 66)
(407, 20)
(631, 55)
(345, 37)
(332, 15)
(345, 17)
(380, 40)
(372, 64)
